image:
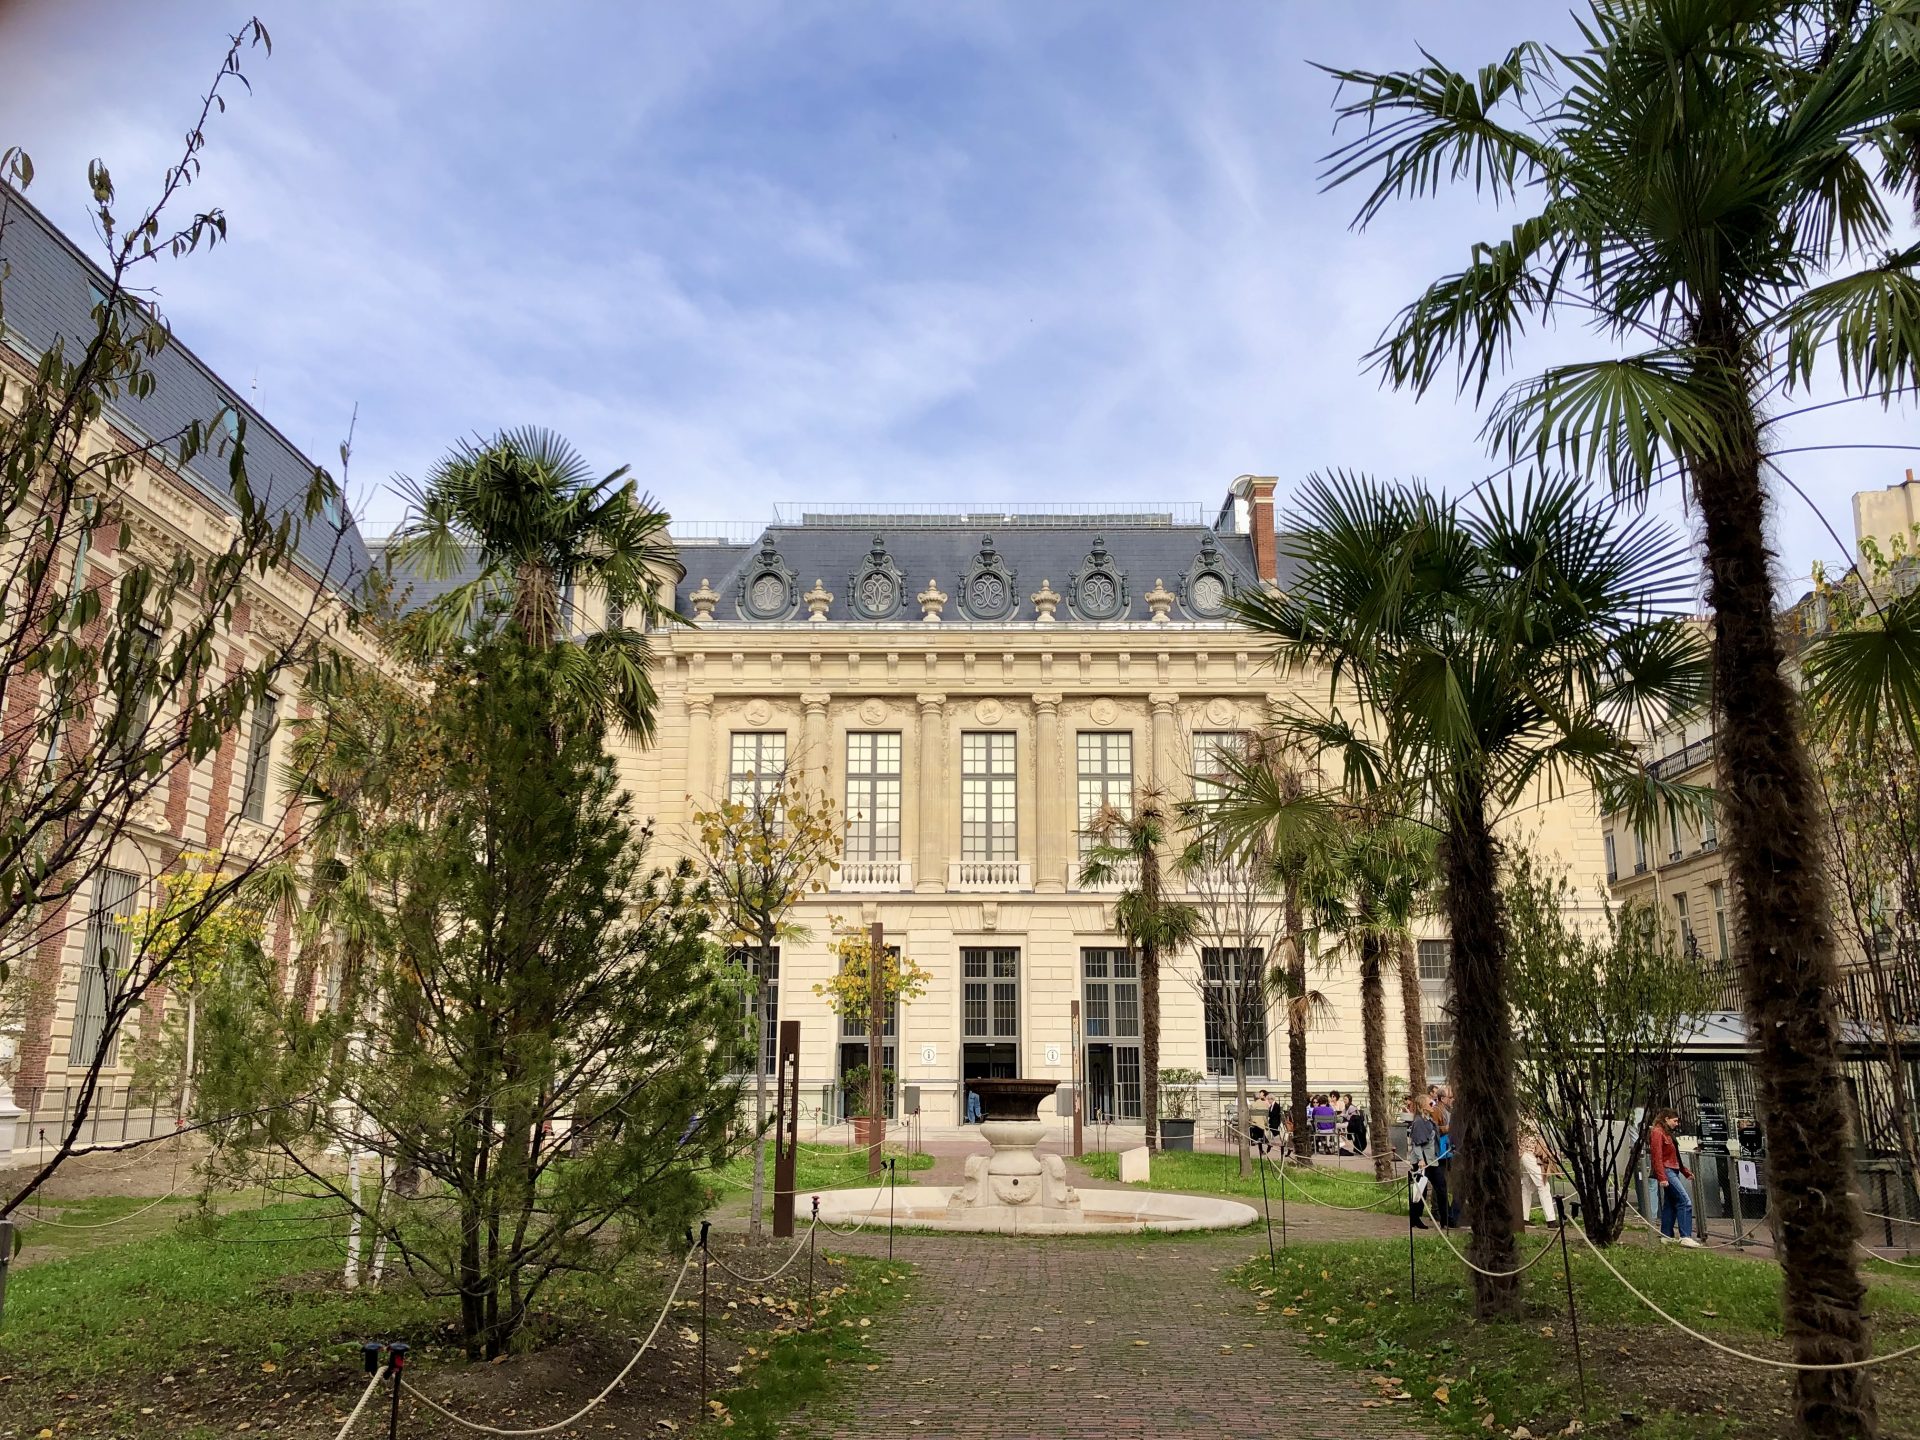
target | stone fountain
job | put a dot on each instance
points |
(1015, 1178)
(1016, 1190)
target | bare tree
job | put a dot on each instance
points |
(136, 644)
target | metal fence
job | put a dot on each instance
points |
(1730, 1198)
(117, 1113)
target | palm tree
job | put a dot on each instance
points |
(523, 526)
(1144, 917)
(1368, 892)
(1412, 1012)
(1709, 181)
(1495, 649)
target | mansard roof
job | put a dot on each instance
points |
(48, 293)
(1138, 548)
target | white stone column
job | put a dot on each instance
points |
(1167, 768)
(699, 748)
(930, 871)
(1050, 780)
(816, 766)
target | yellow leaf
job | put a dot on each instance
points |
(1440, 1393)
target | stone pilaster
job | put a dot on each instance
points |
(1050, 778)
(930, 870)
(815, 763)
(699, 777)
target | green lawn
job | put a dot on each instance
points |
(206, 1322)
(1199, 1174)
(820, 1167)
(1353, 1303)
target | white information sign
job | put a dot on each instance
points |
(1749, 1175)
(928, 1054)
(1053, 1054)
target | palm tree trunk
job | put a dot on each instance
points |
(1150, 1043)
(1373, 1032)
(1783, 946)
(1413, 1016)
(1486, 1165)
(1297, 1024)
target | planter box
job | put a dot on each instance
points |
(1176, 1134)
(868, 1131)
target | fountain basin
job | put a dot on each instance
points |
(1099, 1212)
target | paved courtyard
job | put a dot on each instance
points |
(1107, 1338)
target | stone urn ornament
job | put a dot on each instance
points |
(1160, 602)
(704, 599)
(1045, 601)
(931, 600)
(817, 600)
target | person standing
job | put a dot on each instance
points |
(1536, 1161)
(1440, 1110)
(1676, 1200)
(1420, 1135)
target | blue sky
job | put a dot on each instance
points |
(783, 251)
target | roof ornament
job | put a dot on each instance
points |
(878, 587)
(1208, 584)
(768, 588)
(987, 590)
(1098, 589)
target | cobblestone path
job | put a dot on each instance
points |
(1109, 1338)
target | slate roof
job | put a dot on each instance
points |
(1141, 548)
(47, 294)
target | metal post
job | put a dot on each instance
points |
(1267, 1206)
(1413, 1268)
(1283, 1206)
(705, 1225)
(1573, 1314)
(786, 1127)
(6, 1259)
(1886, 1211)
(1073, 1020)
(876, 1023)
(812, 1230)
(396, 1372)
(891, 1163)
(1733, 1194)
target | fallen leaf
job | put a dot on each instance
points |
(1440, 1393)
(268, 1366)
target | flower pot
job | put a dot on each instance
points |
(869, 1130)
(1176, 1134)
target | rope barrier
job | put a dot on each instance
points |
(40, 1219)
(1493, 1274)
(1896, 1219)
(365, 1395)
(785, 1265)
(1280, 1168)
(863, 1221)
(1887, 1260)
(672, 1295)
(1687, 1329)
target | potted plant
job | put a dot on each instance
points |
(1179, 1103)
(868, 1129)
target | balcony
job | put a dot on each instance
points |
(869, 875)
(1125, 875)
(989, 875)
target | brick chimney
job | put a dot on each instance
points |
(1255, 492)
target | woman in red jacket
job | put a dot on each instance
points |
(1676, 1201)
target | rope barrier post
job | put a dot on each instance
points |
(397, 1371)
(1573, 1314)
(1886, 1219)
(705, 1226)
(1283, 1206)
(1413, 1268)
(890, 1164)
(810, 1234)
(1267, 1206)
(6, 1259)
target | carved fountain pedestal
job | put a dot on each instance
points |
(1015, 1182)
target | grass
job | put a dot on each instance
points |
(821, 1167)
(216, 1319)
(802, 1367)
(1198, 1174)
(1352, 1302)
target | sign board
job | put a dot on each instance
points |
(1053, 1054)
(929, 1054)
(1749, 1175)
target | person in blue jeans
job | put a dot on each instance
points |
(974, 1115)
(1676, 1200)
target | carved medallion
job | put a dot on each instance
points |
(873, 712)
(758, 712)
(1221, 713)
(1104, 712)
(989, 712)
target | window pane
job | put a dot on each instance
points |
(253, 804)
(103, 963)
(1105, 778)
(987, 796)
(756, 761)
(1435, 958)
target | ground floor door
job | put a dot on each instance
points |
(1111, 993)
(853, 1056)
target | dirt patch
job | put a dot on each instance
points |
(570, 1357)
(148, 1171)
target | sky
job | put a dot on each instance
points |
(839, 252)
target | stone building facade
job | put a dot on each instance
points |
(51, 1010)
(970, 688)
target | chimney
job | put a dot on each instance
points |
(1257, 493)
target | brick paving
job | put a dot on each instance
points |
(1109, 1338)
